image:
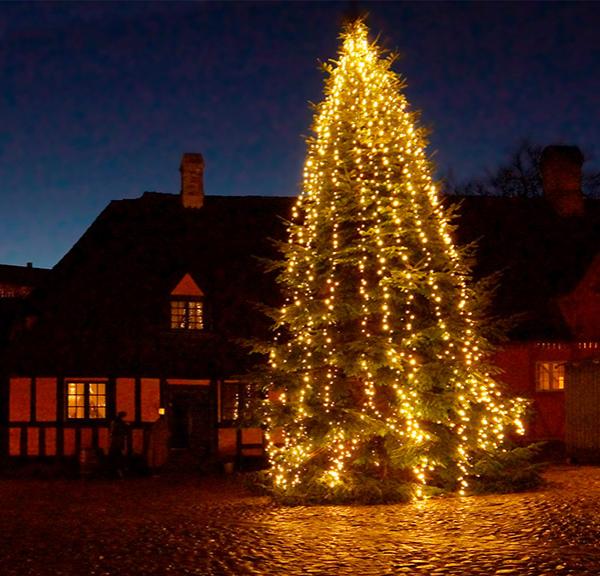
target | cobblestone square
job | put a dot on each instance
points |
(184, 525)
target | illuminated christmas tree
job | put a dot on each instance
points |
(379, 378)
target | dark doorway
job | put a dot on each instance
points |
(190, 419)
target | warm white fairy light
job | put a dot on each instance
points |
(368, 232)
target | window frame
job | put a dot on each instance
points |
(243, 392)
(555, 374)
(187, 316)
(87, 394)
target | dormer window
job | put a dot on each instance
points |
(187, 315)
(187, 305)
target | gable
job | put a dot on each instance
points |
(187, 287)
(581, 307)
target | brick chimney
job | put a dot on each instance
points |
(192, 180)
(560, 167)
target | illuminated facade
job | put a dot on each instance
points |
(98, 335)
(143, 315)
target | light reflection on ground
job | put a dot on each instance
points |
(185, 525)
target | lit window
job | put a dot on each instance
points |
(550, 376)
(86, 400)
(230, 401)
(187, 315)
(235, 401)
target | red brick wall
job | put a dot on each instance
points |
(20, 400)
(518, 363)
(581, 308)
(45, 399)
(547, 409)
(125, 397)
(150, 401)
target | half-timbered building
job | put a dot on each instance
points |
(145, 314)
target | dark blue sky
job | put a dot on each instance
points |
(98, 101)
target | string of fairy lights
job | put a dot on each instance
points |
(366, 167)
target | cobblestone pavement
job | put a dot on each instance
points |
(182, 525)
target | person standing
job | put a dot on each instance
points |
(119, 433)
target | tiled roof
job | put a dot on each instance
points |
(21, 275)
(106, 303)
(539, 254)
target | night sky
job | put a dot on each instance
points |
(99, 101)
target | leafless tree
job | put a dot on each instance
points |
(520, 177)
